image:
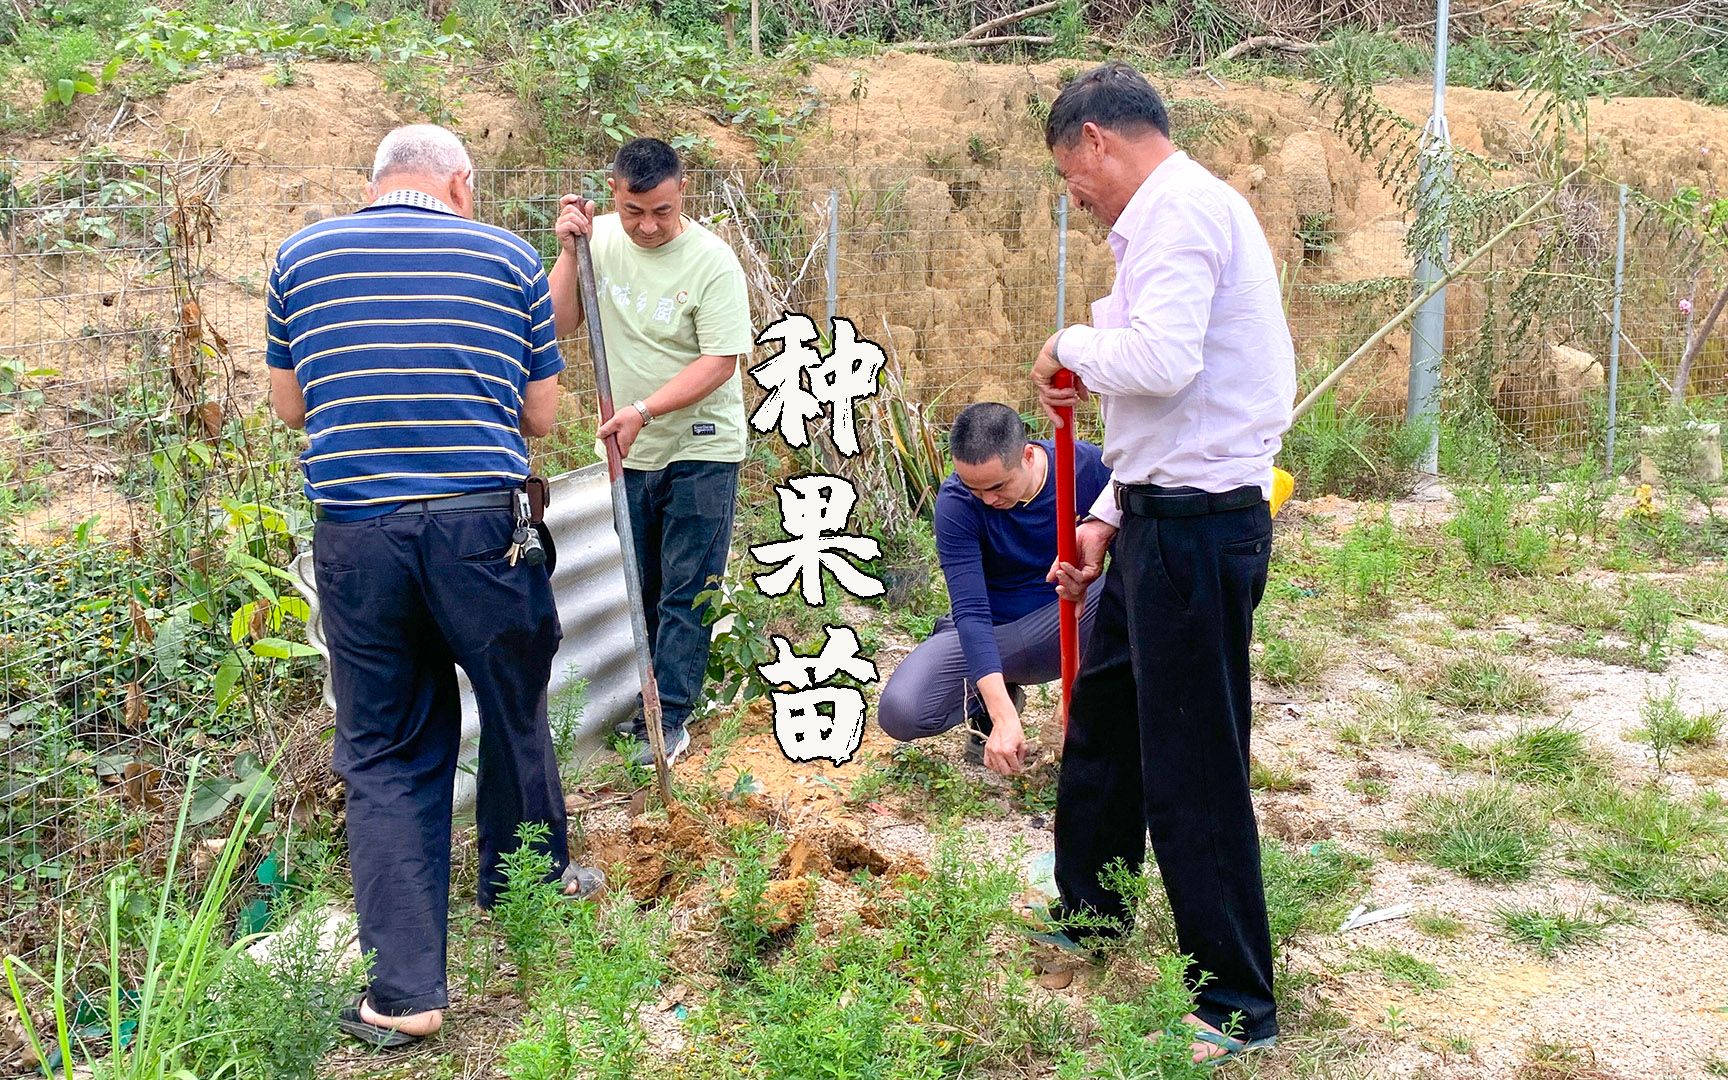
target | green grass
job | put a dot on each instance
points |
(1579, 605)
(1483, 682)
(1647, 845)
(1310, 890)
(1488, 833)
(1398, 966)
(1401, 719)
(1439, 924)
(1291, 659)
(1704, 596)
(1545, 753)
(1275, 777)
(1552, 931)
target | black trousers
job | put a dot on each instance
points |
(404, 599)
(1158, 743)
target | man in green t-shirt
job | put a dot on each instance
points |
(677, 322)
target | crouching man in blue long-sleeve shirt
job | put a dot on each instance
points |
(996, 540)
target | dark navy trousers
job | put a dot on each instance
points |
(682, 520)
(405, 598)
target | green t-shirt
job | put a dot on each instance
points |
(661, 308)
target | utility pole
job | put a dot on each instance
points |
(1428, 329)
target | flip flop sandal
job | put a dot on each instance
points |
(381, 1038)
(1232, 1047)
(589, 881)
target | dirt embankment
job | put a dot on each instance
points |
(947, 216)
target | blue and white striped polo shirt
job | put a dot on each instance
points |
(413, 333)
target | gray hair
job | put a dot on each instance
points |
(421, 150)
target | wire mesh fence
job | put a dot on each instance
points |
(147, 500)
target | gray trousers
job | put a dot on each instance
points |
(930, 691)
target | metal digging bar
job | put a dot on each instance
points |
(621, 522)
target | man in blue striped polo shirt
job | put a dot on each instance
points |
(416, 347)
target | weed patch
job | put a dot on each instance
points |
(928, 785)
(1483, 682)
(1551, 931)
(1401, 719)
(1310, 890)
(1289, 659)
(1488, 833)
(1398, 966)
(1668, 727)
(1545, 753)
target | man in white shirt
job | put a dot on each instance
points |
(1192, 360)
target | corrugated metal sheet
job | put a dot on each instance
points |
(593, 609)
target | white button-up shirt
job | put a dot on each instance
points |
(1190, 353)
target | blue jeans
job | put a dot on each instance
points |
(682, 520)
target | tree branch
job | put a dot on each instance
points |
(974, 43)
(1694, 347)
(992, 25)
(1255, 44)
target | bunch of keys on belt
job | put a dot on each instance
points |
(525, 541)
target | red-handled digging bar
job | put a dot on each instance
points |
(1067, 548)
(621, 522)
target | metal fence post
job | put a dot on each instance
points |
(1428, 329)
(1061, 261)
(833, 257)
(1614, 341)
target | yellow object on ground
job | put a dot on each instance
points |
(1282, 485)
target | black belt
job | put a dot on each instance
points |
(1155, 501)
(502, 499)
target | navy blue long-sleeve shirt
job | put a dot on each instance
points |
(995, 560)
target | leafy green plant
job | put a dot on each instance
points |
(585, 1016)
(1139, 1034)
(747, 919)
(1486, 526)
(277, 1017)
(64, 61)
(942, 929)
(742, 645)
(1649, 622)
(1370, 562)
(1668, 727)
(529, 912)
(1579, 509)
(1488, 833)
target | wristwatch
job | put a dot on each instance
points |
(647, 417)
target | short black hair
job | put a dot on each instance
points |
(1112, 95)
(645, 164)
(988, 429)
